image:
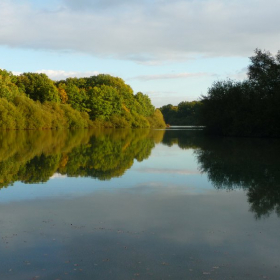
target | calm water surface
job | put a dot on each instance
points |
(140, 204)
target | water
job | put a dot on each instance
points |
(140, 204)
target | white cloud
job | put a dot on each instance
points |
(144, 31)
(57, 75)
(169, 76)
(61, 74)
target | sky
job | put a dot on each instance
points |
(171, 50)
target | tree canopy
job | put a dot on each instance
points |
(186, 113)
(248, 108)
(32, 101)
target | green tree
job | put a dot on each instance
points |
(146, 108)
(8, 88)
(189, 113)
(248, 108)
(264, 71)
(38, 86)
(169, 113)
(103, 101)
(76, 93)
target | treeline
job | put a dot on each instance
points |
(186, 113)
(248, 108)
(33, 101)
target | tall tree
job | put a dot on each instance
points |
(38, 87)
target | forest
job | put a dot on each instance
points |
(186, 113)
(34, 101)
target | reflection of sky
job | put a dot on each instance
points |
(129, 232)
(161, 220)
(167, 167)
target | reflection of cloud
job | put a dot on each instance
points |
(58, 176)
(198, 232)
(168, 170)
(169, 76)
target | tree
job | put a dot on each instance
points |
(146, 108)
(38, 86)
(8, 88)
(76, 93)
(248, 108)
(264, 71)
(169, 113)
(103, 102)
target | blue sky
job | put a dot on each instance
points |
(171, 50)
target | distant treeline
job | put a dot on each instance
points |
(33, 101)
(248, 108)
(186, 113)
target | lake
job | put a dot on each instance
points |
(138, 204)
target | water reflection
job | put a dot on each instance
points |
(34, 156)
(230, 163)
(250, 164)
(237, 163)
(161, 220)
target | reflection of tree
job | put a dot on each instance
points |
(184, 138)
(30, 155)
(251, 164)
(34, 156)
(109, 154)
(230, 163)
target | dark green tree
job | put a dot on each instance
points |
(146, 108)
(38, 86)
(248, 108)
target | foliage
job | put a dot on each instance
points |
(8, 89)
(103, 102)
(38, 86)
(156, 119)
(33, 101)
(76, 96)
(25, 113)
(186, 113)
(248, 108)
(109, 101)
(145, 106)
(10, 117)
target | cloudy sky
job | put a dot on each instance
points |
(172, 50)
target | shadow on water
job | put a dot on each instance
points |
(35, 156)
